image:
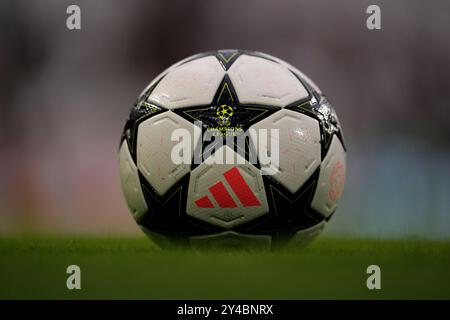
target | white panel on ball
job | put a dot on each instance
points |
(232, 240)
(154, 147)
(260, 81)
(305, 236)
(166, 71)
(299, 146)
(131, 185)
(226, 195)
(190, 84)
(295, 70)
(331, 179)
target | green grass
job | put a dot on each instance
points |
(132, 268)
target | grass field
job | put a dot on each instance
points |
(132, 268)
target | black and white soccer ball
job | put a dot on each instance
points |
(232, 205)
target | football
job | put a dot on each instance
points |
(232, 148)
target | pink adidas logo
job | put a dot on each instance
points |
(223, 197)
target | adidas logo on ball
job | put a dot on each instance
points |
(223, 197)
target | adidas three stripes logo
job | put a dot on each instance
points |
(223, 197)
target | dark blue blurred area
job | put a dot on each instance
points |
(65, 95)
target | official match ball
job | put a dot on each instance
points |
(232, 149)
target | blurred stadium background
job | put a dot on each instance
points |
(65, 95)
